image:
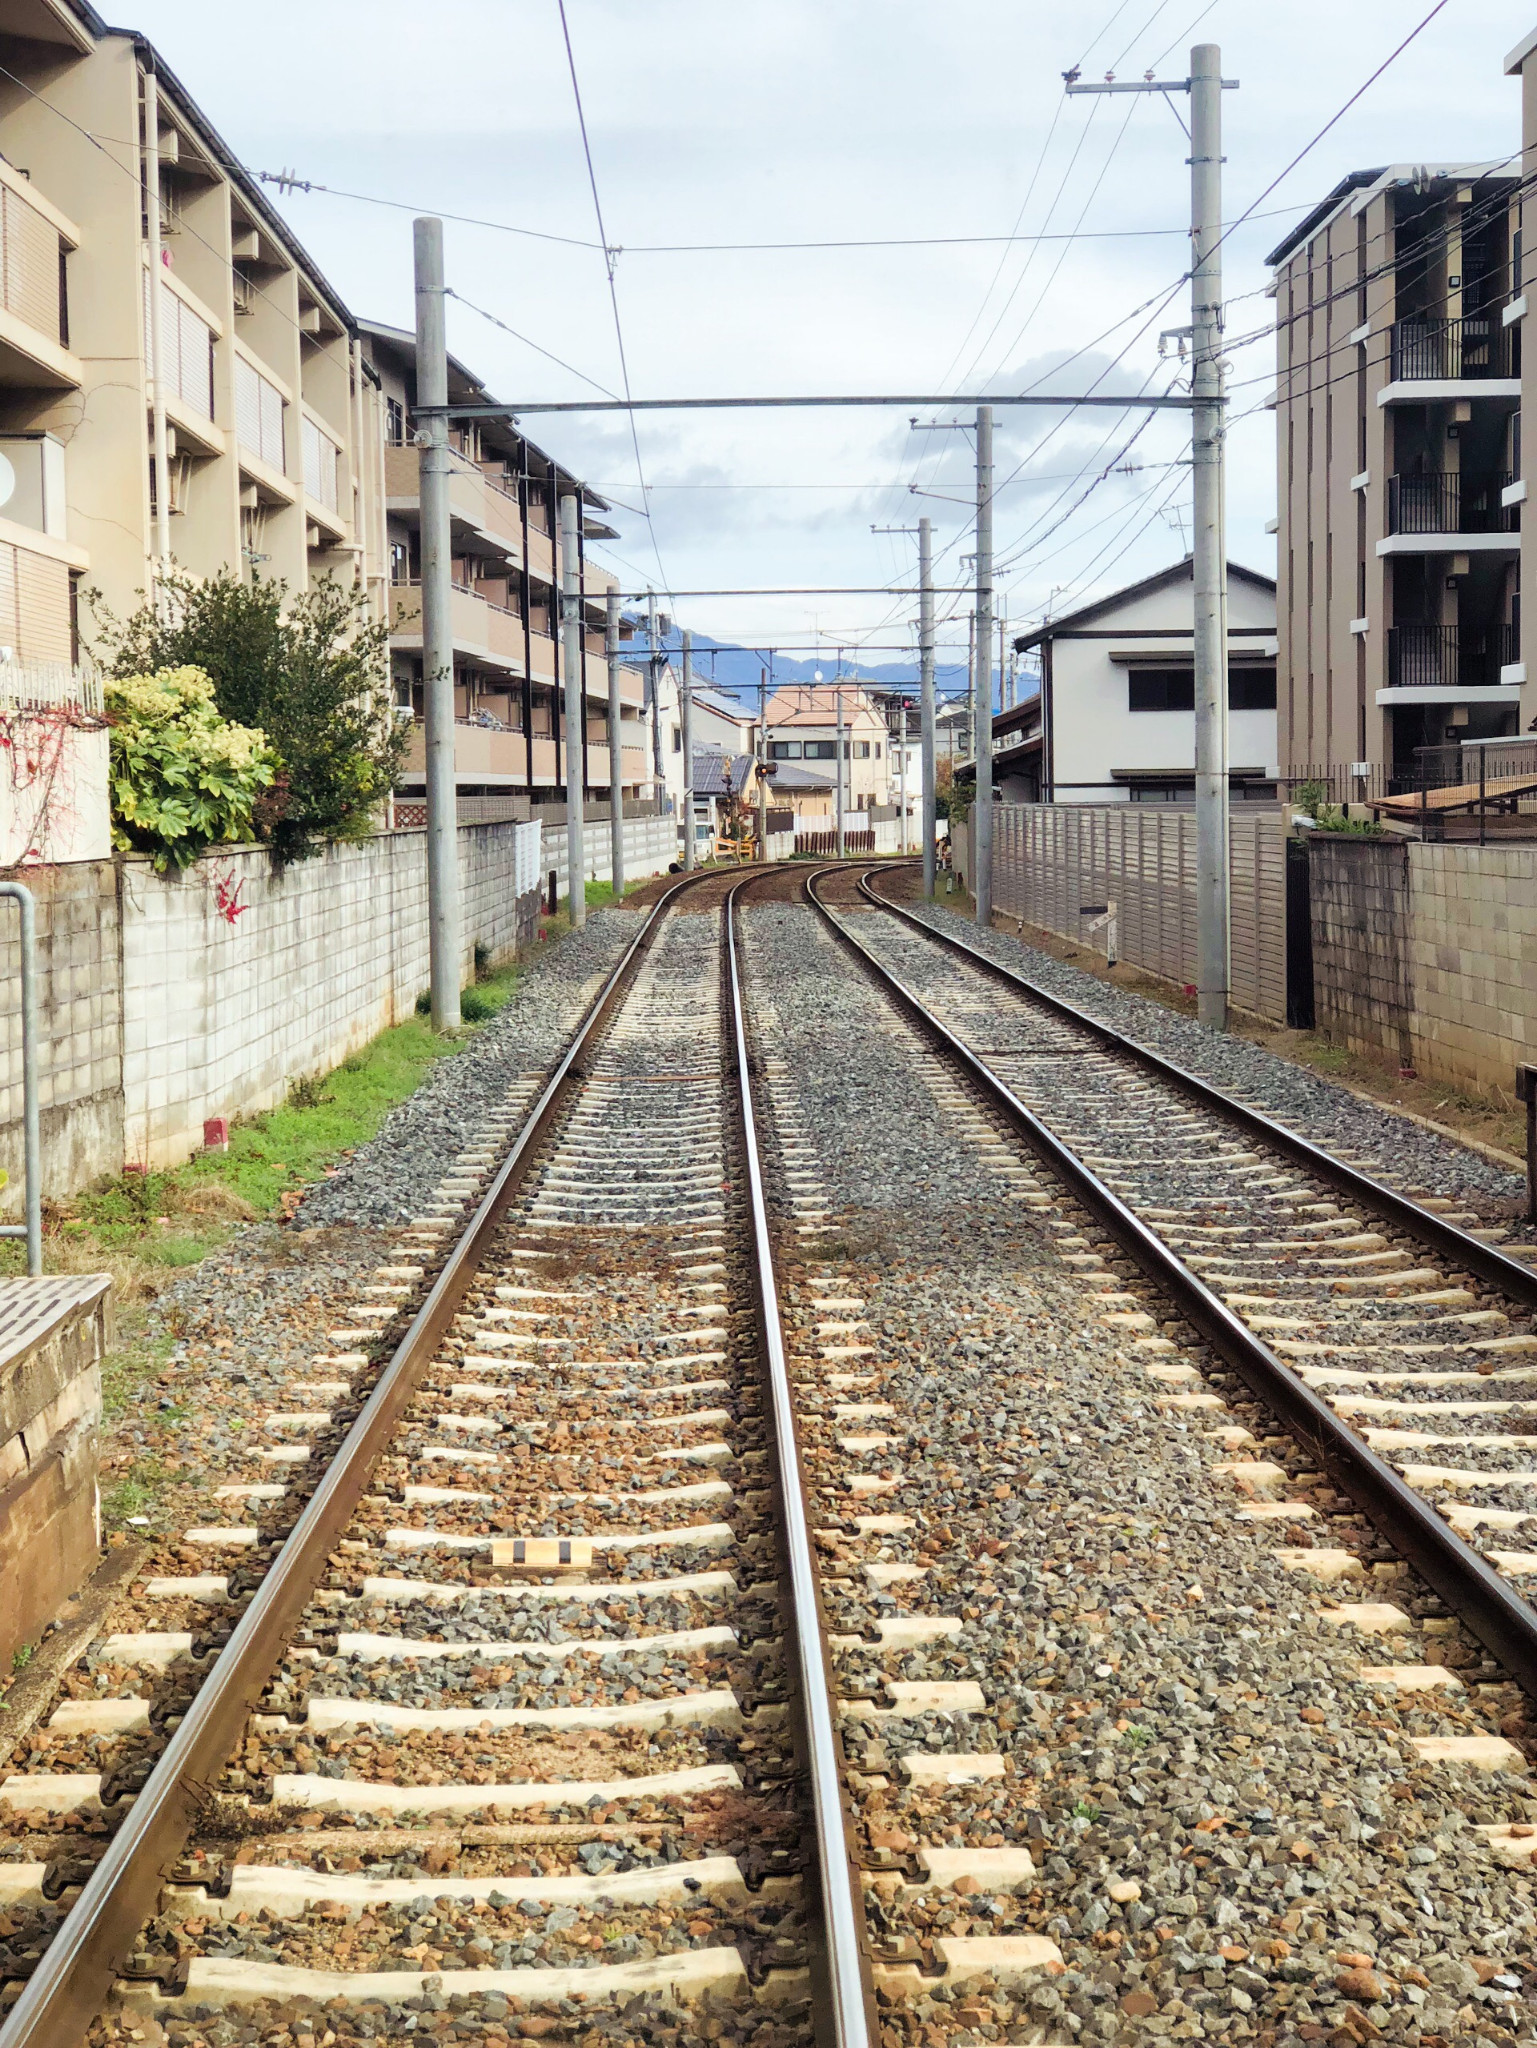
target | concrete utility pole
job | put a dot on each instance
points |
(445, 949)
(615, 751)
(571, 624)
(654, 675)
(982, 809)
(686, 733)
(1207, 432)
(159, 432)
(926, 695)
(1208, 451)
(838, 779)
(1005, 680)
(762, 762)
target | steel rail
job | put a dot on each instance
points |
(1501, 1619)
(75, 1974)
(850, 1992)
(1446, 1239)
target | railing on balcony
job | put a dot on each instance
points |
(1459, 503)
(1476, 347)
(1448, 657)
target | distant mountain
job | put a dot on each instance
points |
(736, 669)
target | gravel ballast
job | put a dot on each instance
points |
(1232, 1834)
(387, 1180)
(1310, 1103)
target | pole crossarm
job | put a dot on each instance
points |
(1163, 401)
(1141, 85)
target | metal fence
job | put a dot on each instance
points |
(1070, 868)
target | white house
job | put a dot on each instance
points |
(1116, 715)
(802, 724)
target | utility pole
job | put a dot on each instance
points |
(838, 780)
(615, 752)
(982, 809)
(576, 711)
(1208, 451)
(762, 763)
(1207, 431)
(159, 432)
(1005, 680)
(654, 676)
(686, 725)
(445, 950)
(926, 695)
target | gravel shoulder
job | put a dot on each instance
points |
(1309, 1102)
(1233, 1835)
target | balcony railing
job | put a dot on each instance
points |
(1458, 503)
(1448, 657)
(1453, 349)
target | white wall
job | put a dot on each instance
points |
(237, 977)
(1094, 731)
(53, 789)
(651, 845)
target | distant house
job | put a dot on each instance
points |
(1115, 720)
(801, 723)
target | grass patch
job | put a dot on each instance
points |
(143, 1227)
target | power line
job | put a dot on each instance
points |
(534, 345)
(610, 256)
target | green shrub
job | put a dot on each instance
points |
(309, 668)
(182, 778)
(474, 1007)
(424, 1003)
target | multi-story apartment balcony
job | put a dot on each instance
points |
(501, 759)
(34, 315)
(1449, 657)
(1454, 351)
(476, 505)
(1458, 503)
(483, 631)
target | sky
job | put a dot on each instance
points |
(784, 121)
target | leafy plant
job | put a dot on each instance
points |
(310, 669)
(182, 778)
(475, 1006)
(1312, 798)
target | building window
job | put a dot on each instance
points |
(394, 423)
(321, 459)
(861, 750)
(400, 562)
(784, 750)
(821, 750)
(259, 410)
(1173, 689)
(1160, 689)
(677, 739)
(1251, 689)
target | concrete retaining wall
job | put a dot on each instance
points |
(1428, 953)
(169, 999)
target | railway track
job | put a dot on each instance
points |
(1399, 1346)
(525, 1710)
(741, 1611)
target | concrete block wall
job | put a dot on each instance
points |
(168, 999)
(1363, 994)
(1472, 951)
(79, 962)
(651, 845)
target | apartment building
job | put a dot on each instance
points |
(801, 725)
(1399, 316)
(273, 437)
(504, 498)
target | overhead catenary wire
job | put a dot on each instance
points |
(613, 291)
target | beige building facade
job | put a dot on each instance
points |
(1399, 315)
(505, 510)
(274, 431)
(801, 726)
